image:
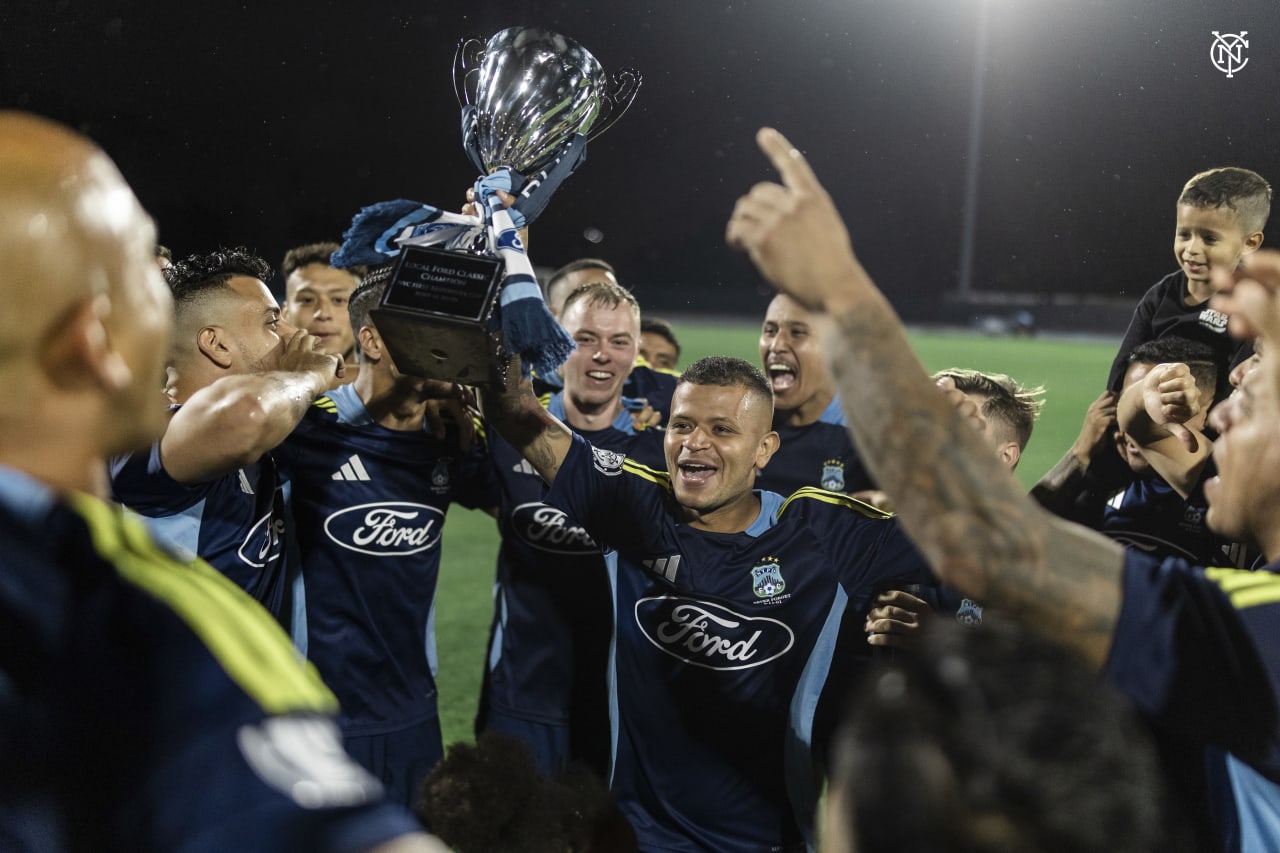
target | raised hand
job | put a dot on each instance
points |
(792, 231)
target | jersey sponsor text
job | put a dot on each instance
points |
(708, 635)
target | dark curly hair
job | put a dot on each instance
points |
(196, 275)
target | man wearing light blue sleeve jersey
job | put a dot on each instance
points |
(815, 448)
(545, 679)
(727, 603)
(147, 703)
(241, 379)
(1196, 650)
(370, 487)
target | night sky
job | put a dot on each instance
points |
(269, 124)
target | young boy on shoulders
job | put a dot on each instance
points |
(1220, 216)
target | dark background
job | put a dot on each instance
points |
(270, 124)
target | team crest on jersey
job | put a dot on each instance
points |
(440, 475)
(391, 529)
(970, 613)
(709, 635)
(766, 578)
(832, 475)
(607, 462)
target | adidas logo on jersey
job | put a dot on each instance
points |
(352, 470)
(245, 486)
(665, 566)
(523, 467)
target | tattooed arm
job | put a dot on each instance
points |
(957, 502)
(519, 417)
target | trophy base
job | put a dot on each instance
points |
(437, 317)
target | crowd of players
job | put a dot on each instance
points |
(697, 568)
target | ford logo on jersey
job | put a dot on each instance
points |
(548, 529)
(711, 636)
(389, 529)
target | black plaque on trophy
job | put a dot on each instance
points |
(437, 316)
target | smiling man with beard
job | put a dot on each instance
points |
(728, 603)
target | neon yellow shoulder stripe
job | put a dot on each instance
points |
(327, 404)
(836, 498)
(653, 475)
(1246, 588)
(238, 632)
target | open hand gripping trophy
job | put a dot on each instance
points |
(461, 288)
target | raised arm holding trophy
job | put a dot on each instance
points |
(461, 291)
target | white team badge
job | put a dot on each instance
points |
(607, 462)
(832, 475)
(766, 578)
(970, 613)
(303, 758)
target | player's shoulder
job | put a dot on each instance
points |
(810, 500)
(616, 463)
(225, 622)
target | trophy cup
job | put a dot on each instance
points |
(531, 100)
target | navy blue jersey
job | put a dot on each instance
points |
(147, 703)
(817, 454)
(722, 648)
(1198, 653)
(654, 385)
(1150, 516)
(553, 610)
(368, 504)
(234, 522)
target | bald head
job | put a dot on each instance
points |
(69, 226)
(85, 306)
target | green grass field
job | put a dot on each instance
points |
(1073, 374)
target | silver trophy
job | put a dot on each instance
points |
(532, 90)
(527, 94)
